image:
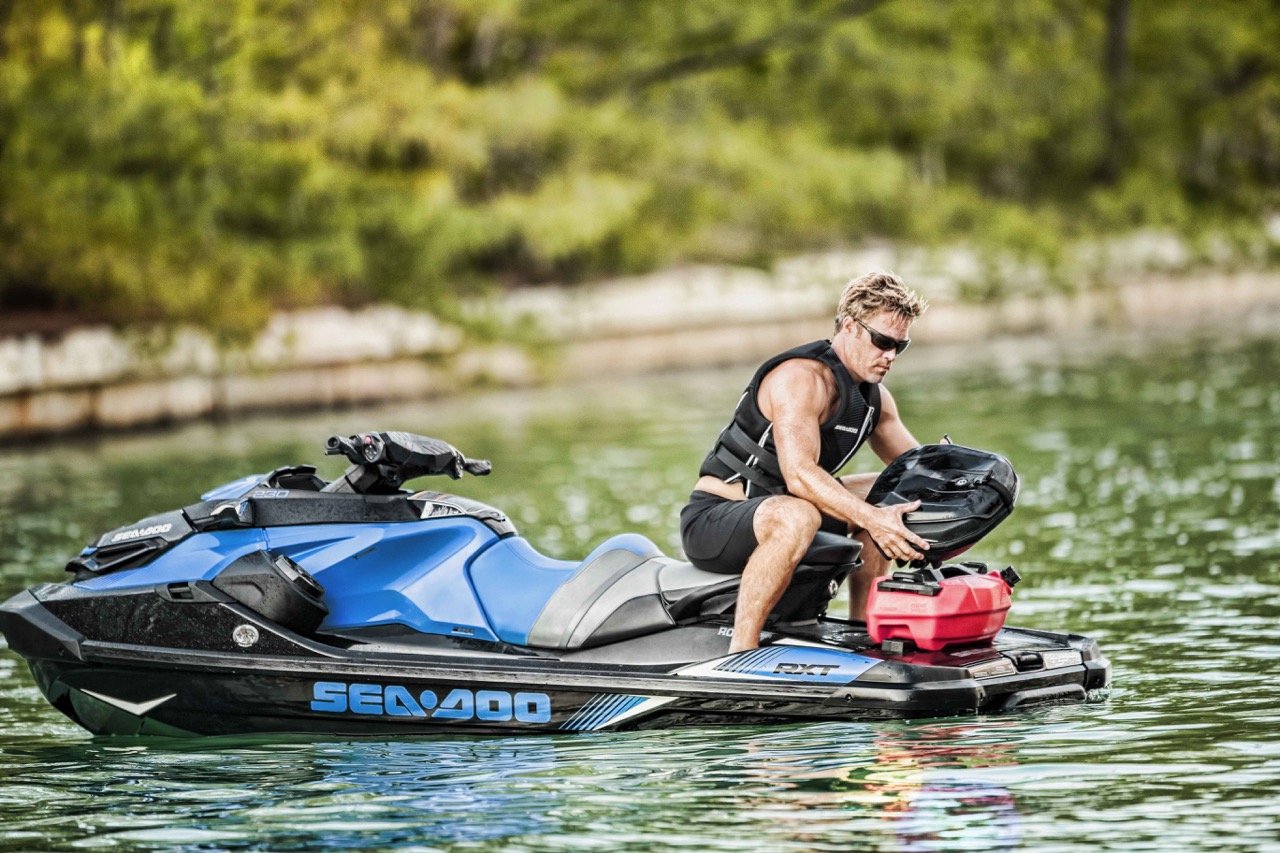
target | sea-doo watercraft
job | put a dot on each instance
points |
(285, 603)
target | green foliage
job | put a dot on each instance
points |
(211, 162)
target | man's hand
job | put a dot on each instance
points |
(891, 535)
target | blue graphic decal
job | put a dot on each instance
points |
(234, 489)
(600, 711)
(754, 661)
(394, 700)
(458, 705)
(800, 663)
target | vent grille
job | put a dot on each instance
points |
(116, 558)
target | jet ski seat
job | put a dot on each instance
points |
(627, 588)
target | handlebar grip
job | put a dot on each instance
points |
(477, 467)
(351, 447)
(338, 445)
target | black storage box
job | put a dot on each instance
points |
(964, 494)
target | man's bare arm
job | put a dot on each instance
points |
(795, 396)
(891, 438)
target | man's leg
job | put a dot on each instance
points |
(874, 564)
(784, 528)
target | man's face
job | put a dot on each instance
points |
(868, 362)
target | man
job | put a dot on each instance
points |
(768, 484)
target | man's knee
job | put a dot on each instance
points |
(789, 517)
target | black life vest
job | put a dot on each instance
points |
(745, 450)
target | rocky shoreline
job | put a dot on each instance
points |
(98, 378)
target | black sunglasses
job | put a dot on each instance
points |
(884, 342)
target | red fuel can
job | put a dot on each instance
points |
(937, 607)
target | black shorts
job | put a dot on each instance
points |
(718, 534)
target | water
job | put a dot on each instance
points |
(1148, 519)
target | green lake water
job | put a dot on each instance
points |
(1149, 519)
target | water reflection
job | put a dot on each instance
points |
(916, 780)
(892, 786)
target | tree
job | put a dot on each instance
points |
(213, 162)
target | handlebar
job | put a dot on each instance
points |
(401, 456)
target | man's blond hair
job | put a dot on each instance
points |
(873, 292)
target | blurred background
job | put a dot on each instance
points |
(212, 163)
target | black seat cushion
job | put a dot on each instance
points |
(831, 549)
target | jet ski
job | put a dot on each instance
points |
(285, 603)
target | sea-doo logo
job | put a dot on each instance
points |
(142, 532)
(818, 669)
(844, 428)
(394, 700)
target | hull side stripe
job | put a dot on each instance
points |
(604, 709)
(572, 722)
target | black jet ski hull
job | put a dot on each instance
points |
(383, 687)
